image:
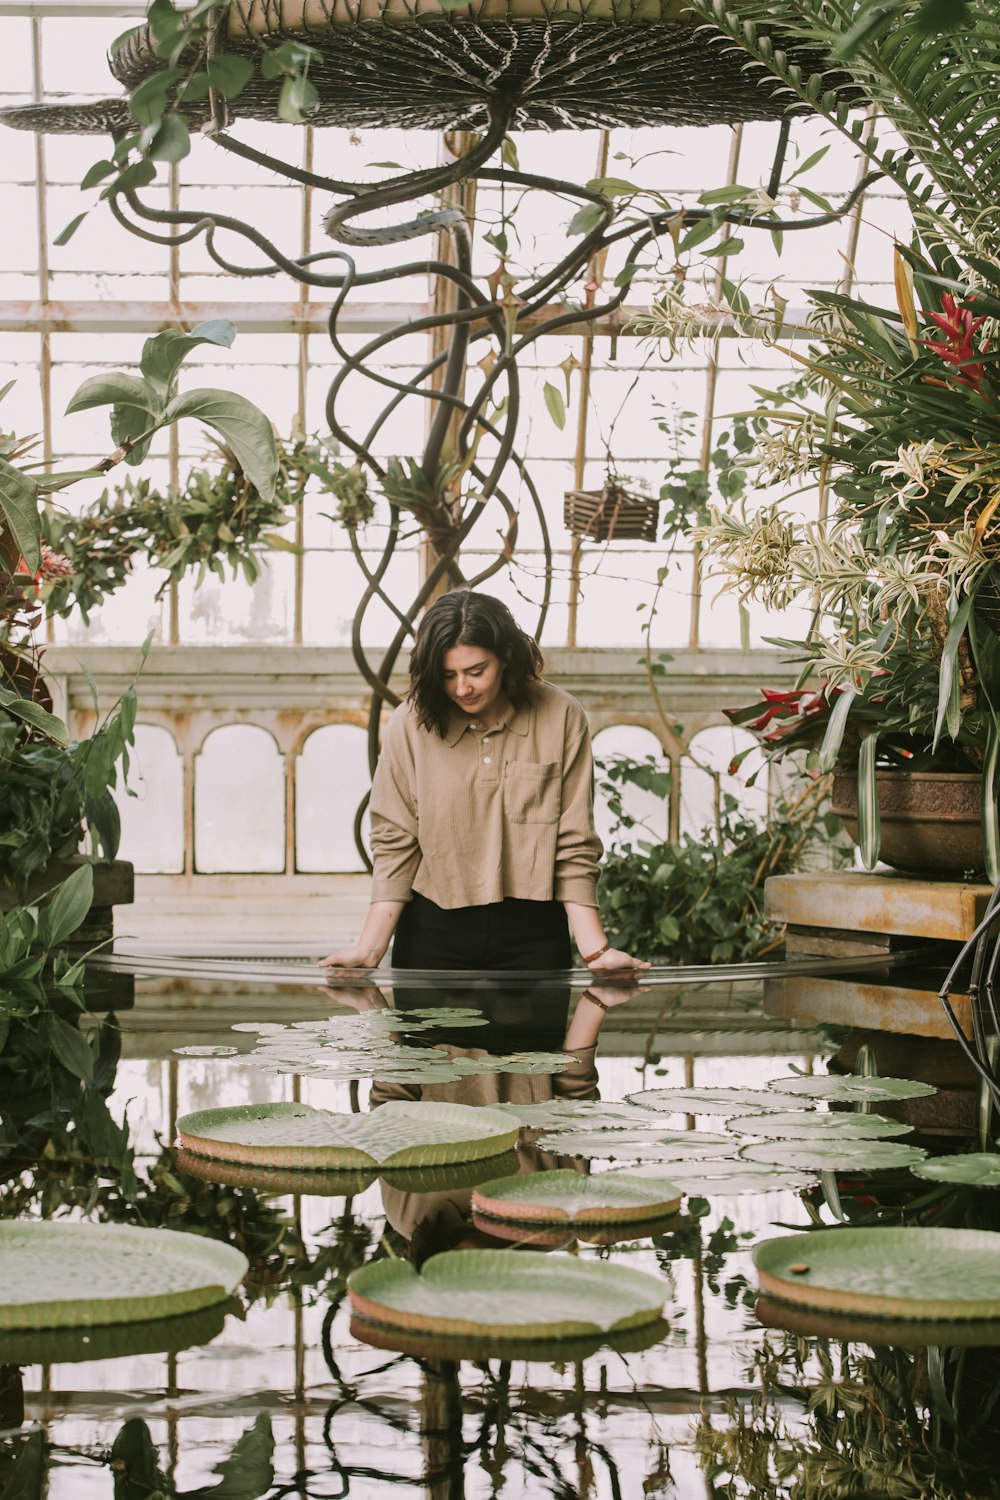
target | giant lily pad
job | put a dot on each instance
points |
(852, 1088)
(632, 1145)
(794, 1125)
(55, 1274)
(886, 1272)
(424, 1345)
(539, 1236)
(398, 1134)
(850, 1328)
(64, 1346)
(972, 1169)
(305, 1182)
(588, 1114)
(718, 1101)
(522, 1295)
(722, 1178)
(833, 1155)
(567, 1196)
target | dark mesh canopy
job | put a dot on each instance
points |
(561, 64)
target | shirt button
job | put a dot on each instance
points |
(476, 724)
(487, 760)
(485, 741)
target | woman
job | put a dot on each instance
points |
(482, 830)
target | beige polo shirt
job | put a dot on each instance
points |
(481, 815)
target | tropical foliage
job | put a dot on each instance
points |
(699, 900)
(50, 788)
(895, 412)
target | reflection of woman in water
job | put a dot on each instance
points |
(431, 1222)
(482, 829)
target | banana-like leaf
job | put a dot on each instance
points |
(68, 907)
(20, 520)
(34, 714)
(244, 427)
(869, 818)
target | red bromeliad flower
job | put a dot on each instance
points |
(956, 348)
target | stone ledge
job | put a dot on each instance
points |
(850, 901)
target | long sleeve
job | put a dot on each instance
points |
(394, 826)
(578, 848)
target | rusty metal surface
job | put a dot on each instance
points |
(929, 822)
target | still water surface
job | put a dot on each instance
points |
(718, 1406)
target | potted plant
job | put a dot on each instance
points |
(893, 420)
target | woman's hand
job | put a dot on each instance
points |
(354, 957)
(359, 997)
(613, 962)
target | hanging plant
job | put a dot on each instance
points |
(216, 518)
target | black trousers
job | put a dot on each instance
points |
(508, 934)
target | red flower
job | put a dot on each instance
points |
(956, 348)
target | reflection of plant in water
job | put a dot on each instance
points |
(907, 1424)
(688, 1242)
(135, 1464)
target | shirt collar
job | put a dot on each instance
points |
(516, 720)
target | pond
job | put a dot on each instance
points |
(283, 1392)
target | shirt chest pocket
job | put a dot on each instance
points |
(531, 791)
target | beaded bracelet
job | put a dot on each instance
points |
(590, 958)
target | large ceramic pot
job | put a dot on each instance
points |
(930, 821)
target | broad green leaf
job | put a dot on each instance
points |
(732, 194)
(298, 98)
(171, 140)
(886, 1270)
(244, 427)
(19, 518)
(59, 1274)
(230, 75)
(148, 101)
(555, 404)
(164, 353)
(701, 230)
(96, 174)
(728, 246)
(115, 389)
(948, 711)
(398, 1134)
(70, 1048)
(527, 1294)
(135, 1463)
(613, 187)
(68, 907)
(34, 715)
(585, 219)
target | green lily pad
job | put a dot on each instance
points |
(852, 1088)
(206, 1051)
(398, 1134)
(589, 1114)
(719, 1101)
(539, 1236)
(973, 1169)
(567, 1196)
(305, 1182)
(723, 1178)
(66, 1346)
(886, 1272)
(833, 1155)
(800, 1125)
(852, 1328)
(56, 1274)
(492, 1292)
(422, 1345)
(655, 1145)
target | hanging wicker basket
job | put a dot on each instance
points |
(612, 514)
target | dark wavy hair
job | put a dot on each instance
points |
(464, 618)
